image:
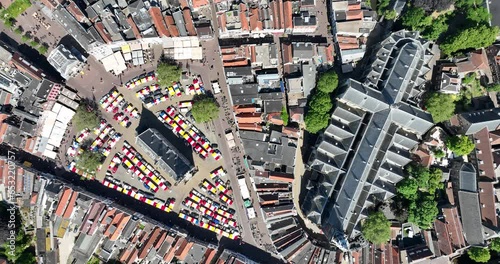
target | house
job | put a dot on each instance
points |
(68, 62)
(468, 198)
(447, 80)
(269, 150)
(475, 62)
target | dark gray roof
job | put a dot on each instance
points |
(91, 13)
(471, 217)
(164, 153)
(259, 146)
(304, 21)
(73, 27)
(273, 106)
(140, 15)
(271, 96)
(477, 120)
(283, 207)
(303, 51)
(358, 159)
(179, 22)
(242, 94)
(468, 178)
(44, 89)
(238, 71)
(340, 15)
(92, 31)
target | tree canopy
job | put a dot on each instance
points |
(439, 153)
(205, 110)
(328, 82)
(478, 254)
(460, 145)
(316, 121)
(408, 188)
(479, 15)
(495, 244)
(85, 117)
(438, 26)
(321, 102)
(284, 116)
(416, 19)
(376, 228)
(168, 73)
(470, 38)
(441, 106)
(423, 211)
(89, 160)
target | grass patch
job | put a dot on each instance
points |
(15, 9)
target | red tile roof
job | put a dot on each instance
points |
(134, 27)
(209, 256)
(330, 53)
(238, 109)
(243, 17)
(277, 176)
(287, 53)
(454, 227)
(253, 127)
(287, 14)
(222, 21)
(275, 118)
(188, 20)
(160, 240)
(182, 252)
(171, 253)
(442, 234)
(3, 172)
(487, 200)
(234, 63)
(172, 28)
(102, 31)
(63, 201)
(281, 13)
(449, 193)
(199, 3)
(76, 12)
(354, 15)
(484, 154)
(356, 6)
(71, 205)
(121, 223)
(155, 13)
(34, 197)
(477, 60)
(249, 118)
(143, 252)
(19, 180)
(274, 10)
(255, 23)
(184, 4)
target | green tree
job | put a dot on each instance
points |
(85, 118)
(416, 19)
(34, 43)
(390, 14)
(316, 121)
(439, 153)
(423, 211)
(205, 109)
(89, 161)
(469, 78)
(438, 27)
(93, 260)
(25, 38)
(9, 22)
(478, 254)
(471, 38)
(376, 228)
(328, 82)
(460, 145)
(168, 73)
(18, 31)
(321, 102)
(441, 106)
(435, 180)
(479, 15)
(42, 49)
(284, 116)
(408, 188)
(466, 4)
(419, 173)
(495, 244)
(382, 5)
(493, 88)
